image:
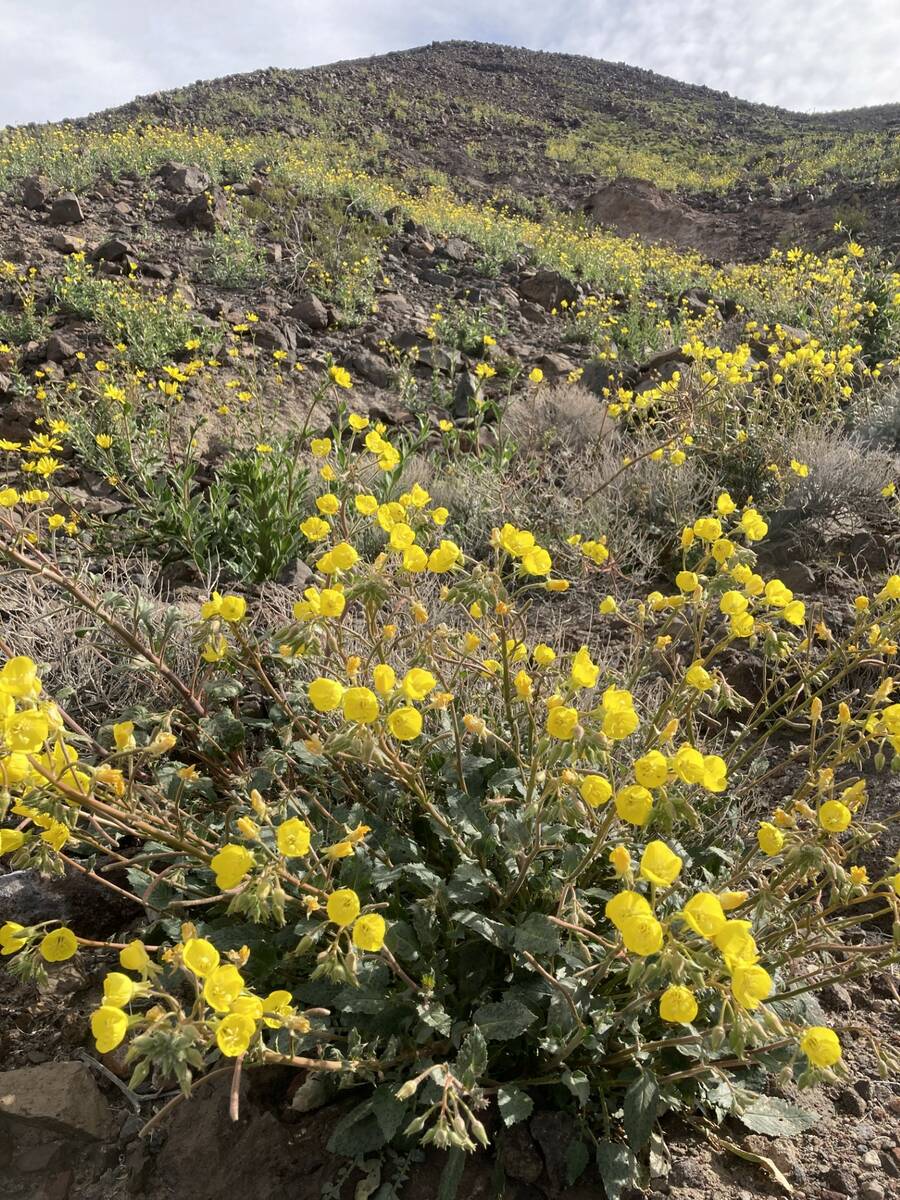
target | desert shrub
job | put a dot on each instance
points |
(458, 866)
(233, 257)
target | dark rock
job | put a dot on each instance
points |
(311, 311)
(455, 249)
(371, 367)
(687, 1172)
(850, 1101)
(548, 288)
(75, 899)
(519, 1156)
(156, 270)
(184, 179)
(393, 304)
(466, 391)
(555, 366)
(36, 191)
(113, 250)
(208, 211)
(60, 1096)
(872, 1190)
(66, 210)
(841, 1180)
(553, 1132)
(270, 336)
(67, 243)
(58, 349)
(836, 995)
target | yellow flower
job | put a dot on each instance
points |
(314, 529)
(642, 935)
(328, 504)
(58, 945)
(109, 1026)
(340, 377)
(293, 837)
(384, 677)
(535, 375)
(10, 840)
(751, 985)
(821, 1046)
(704, 914)
(634, 804)
(620, 860)
(118, 989)
(360, 704)
(27, 731)
(234, 1033)
(584, 673)
(123, 735)
(770, 838)
(417, 683)
(9, 497)
(678, 1005)
(200, 956)
(543, 655)
(11, 939)
(651, 770)
(103, 440)
(222, 987)
(561, 722)
(595, 790)
(18, 677)
(659, 864)
(698, 677)
(834, 816)
(368, 932)
(687, 581)
(134, 957)
(343, 906)
(537, 561)
(405, 723)
(325, 695)
(608, 605)
(230, 865)
(624, 905)
(320, 447)
(736, 944)
(357, 422)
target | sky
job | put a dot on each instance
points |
(67, 58)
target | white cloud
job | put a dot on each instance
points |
(71, 57)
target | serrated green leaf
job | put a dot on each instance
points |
(615, 1162)
(472, 1060)
(514, 1104)
(538, 935)
(578, 1084)
(640, 1108)
(577, 1158)
(504, 1020)
(776, 1118)
(451, 1176)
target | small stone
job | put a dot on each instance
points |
(871, 1191)
(113, 250)
(58, 349)
(207, 211)
(371, 367)
(837, 996)
(841, 1180)
(871, 1158)
(687, 1172)
(61, 1096)
(850, 1101)
(184, 179)
(520, 1157)
(66, 210)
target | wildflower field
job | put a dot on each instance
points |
(473, 686)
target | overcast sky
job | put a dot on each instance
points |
(66, 58)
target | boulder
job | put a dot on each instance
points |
(547, 288)
(371, 367)
(36, 192)
(311, 312)
(184, 179)
(62, 1097)
(208, 211)
(66, 210)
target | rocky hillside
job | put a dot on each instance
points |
(548, 130)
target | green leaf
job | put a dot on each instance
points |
(492, 931)
(515, 1105)
(451, 1176)
(578, 1084)
(390, 1112)
(615, 1163)
(641, 1105)
(538, 935)
(435, 1016)
(472, 1060)
(776, 1118)
(577, 1158)
(358, 1132)
(223, 731)
(503, 1021)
